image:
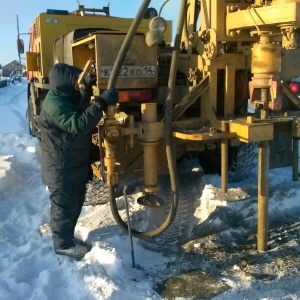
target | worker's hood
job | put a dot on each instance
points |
(62, 79)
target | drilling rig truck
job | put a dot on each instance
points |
(228, 81)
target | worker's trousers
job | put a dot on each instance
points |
(66, 205)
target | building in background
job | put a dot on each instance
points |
(13, 68)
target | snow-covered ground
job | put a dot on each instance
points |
(220, 255)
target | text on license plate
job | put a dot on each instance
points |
(129, 71)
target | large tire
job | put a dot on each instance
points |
(96, 192)
(244, 162)
(32, 120)
(190, 191)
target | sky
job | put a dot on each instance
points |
(218, 261)
(28, 10)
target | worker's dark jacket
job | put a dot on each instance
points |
(66, 130)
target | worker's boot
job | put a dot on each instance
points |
(77, 251)
(78, 241)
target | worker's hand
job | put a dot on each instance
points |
(110, 96)
(88, 81)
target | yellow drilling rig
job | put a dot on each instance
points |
(229, 79)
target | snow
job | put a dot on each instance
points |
(223, 243)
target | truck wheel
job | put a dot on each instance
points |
(244, 162)
(190, 191)
(96, 192)
(241, 161)
(32, 126)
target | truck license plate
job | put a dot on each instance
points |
(129, 71)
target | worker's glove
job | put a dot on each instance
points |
(88, 82)
(108, 97)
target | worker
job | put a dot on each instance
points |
(66, 126)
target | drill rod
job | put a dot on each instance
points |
(263, 196)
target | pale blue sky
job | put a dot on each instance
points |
(27, 10)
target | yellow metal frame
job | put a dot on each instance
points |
(32, 61)
(49, 27)
(251, 132)
(203, 136)
(276, 14)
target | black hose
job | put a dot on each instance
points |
(168, 114)
(126, 44)
(168, 134)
